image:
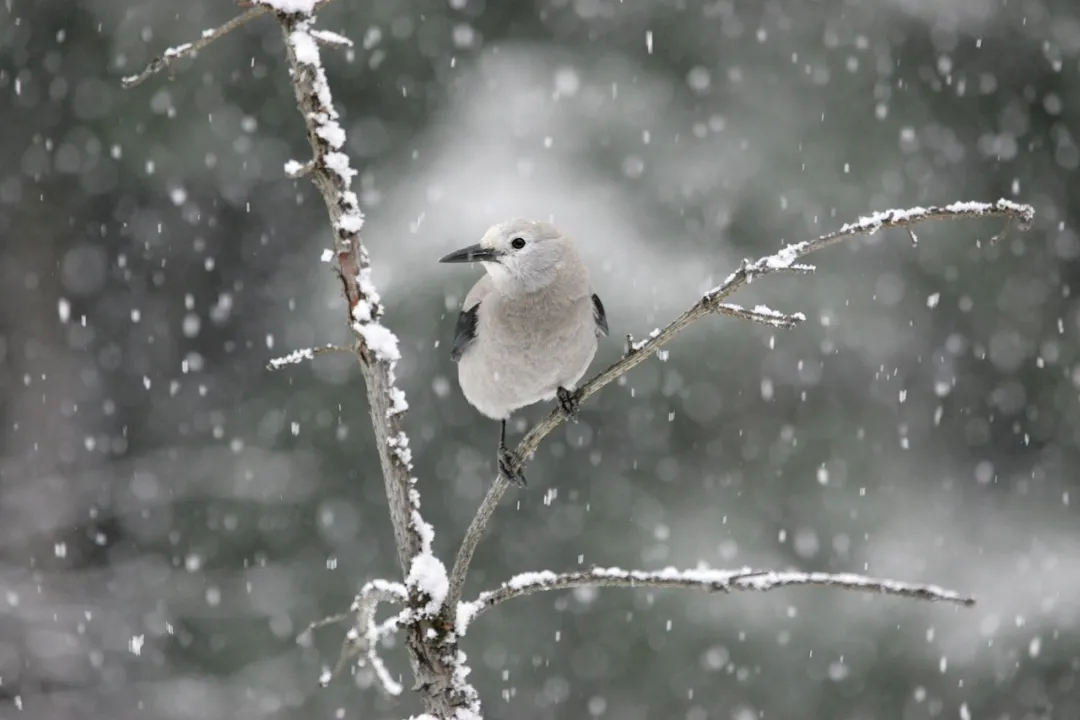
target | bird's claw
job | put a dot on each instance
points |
(569, 403)
(509, 464)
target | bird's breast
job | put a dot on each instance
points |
(521, 355)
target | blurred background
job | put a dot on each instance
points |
(172, 515)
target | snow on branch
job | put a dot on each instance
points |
(364, 637)
(710, 303)
(258, 9)
(377, 347)
(708, 580)
(298, 356)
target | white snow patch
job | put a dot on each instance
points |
(307, 51)
(290, 6)
(380, 340)
(428, 575)
(293, 358)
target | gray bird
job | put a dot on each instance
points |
(527, 330)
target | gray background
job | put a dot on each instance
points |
(172, 515)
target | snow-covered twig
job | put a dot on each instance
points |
(713, 302)
(762, 315)
(298, 356)
(167, 58)
(709, 580)
(331, 39)
(364, 637)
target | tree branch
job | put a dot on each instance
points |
(365, 636)
(712, 302)
(298, 356)
(376, 347)
(708, 580)
(171, 55)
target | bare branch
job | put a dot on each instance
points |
(708, 580)
(298, 356)
(712, 302)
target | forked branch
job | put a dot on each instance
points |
(363, 639)
(713, 302)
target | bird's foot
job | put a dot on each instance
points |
(510, 466)
(569, 403)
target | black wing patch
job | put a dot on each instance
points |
(599, 315)
(465, 332)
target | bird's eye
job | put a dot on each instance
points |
(517, 243)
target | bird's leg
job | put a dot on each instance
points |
(569, 402)
(509, 462)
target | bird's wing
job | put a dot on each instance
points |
(465, 332)
(468, 318)
(599, 315)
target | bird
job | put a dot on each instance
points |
(528, 329)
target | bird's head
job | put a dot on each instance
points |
(518, 254)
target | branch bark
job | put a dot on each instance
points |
(437, 663)
(708, 580)
(710, 303)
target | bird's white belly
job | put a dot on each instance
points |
(497, 387)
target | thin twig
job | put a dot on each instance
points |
(167, 58)
(297, 170)
(331, 39)
(298, 356)
(173, 54)
(761, 315)
(709, 580)
(364, 637)
(710, 302)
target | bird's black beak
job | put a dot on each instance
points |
(473, 253)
